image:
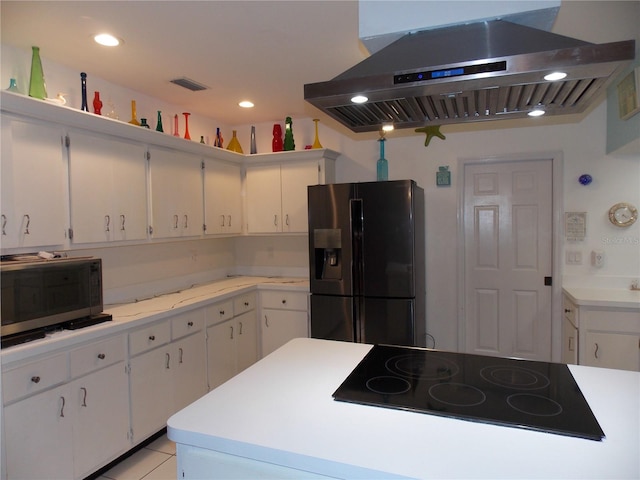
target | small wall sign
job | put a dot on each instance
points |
(575, 226)
(443, 177)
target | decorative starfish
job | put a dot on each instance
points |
(431, 131)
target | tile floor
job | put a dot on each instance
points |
(156, 461)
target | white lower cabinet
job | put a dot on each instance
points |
(72, 429)
(283, 317)
(232, 338)
(165, 374)
(610, 338)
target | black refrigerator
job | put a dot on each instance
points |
(367, 262)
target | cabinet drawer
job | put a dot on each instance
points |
(244, 303)
(149, 337)
(219, 312)
(96, 355)
(187, 323)
(284, 300)
(34, 377)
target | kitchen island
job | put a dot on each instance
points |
(278, 419)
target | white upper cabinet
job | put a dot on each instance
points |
(276, 194)
(176, 193)
(223, 198)
(34, 195)
(108, 188)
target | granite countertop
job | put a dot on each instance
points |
(281, 411)
(604, 297)
(131, 315)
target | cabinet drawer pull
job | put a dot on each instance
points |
(181, 352)
(35, 379)
(596, 352)
(175, 222)
(62, 407)
(567, 310)
(168, 360)
(266, 321)
(275, 220)
(189, 324)
(186, 221)
(221, 312)
(107, 222)
(26, 228)
(284, 301)
(286, 221)
(240, 330)
(102, 356)
(84, 396)
(229, 221)
(231, 337)
(246, 304)
(122, 220)
(4, 224)
(222, 217)
(152, 337)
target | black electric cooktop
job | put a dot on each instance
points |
(502, 391)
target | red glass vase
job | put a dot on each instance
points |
(276, 143)
(97, 104)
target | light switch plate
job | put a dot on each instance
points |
(573, 257)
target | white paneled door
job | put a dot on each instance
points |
(508, 258)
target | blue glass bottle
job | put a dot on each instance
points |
(382, 166)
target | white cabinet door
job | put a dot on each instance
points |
(100, 402)
(189, 363)
(221, 353)
(264, 202)
(295, 178)
(151, 392)
(108, 189)
(247, 340)
(612, 350)
(176, 193)
(33, 184)
(280, 326)
(38, 433)
(223, 198)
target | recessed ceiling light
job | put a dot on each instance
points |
(359, 99)
(107, 40)
(552, 77)
(246, 104)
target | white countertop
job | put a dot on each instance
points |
(604, 297)
(126, 316)
(281, 411)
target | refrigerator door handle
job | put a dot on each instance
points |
(355, 205)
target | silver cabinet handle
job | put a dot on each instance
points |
(222, 217)
(229, 222)
(62, 407)
(186, 221)
(102, 356)
(107, 222)
(26, 228)
(175, 222)
(240, 331)
(286, 220)
(35, 379)
(168, 360)
(231, 337)
(84, 396)
(4, 224)
(596, 351)
(122, 220)
(275, 220)
(266, 321)
(181, 352)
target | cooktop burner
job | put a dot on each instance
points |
(504, 391)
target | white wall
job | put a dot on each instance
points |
(616, 178)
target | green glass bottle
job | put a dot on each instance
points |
(159, 124)
(37, 87)
(382, 166)
(289, 143)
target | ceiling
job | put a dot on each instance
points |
(264, 51)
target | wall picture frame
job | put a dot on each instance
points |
(628, 90)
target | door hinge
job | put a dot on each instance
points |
(548, 281)
(71, 234)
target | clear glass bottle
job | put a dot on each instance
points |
(382, 166)
(37, 88)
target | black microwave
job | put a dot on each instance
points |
(39, 295)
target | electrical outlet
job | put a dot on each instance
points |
(574, 257)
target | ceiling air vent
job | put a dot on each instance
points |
(189, 84)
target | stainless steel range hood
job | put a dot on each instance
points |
(489, 70)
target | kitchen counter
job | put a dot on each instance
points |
(126, 316)
(280, 411)
(604, 297)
